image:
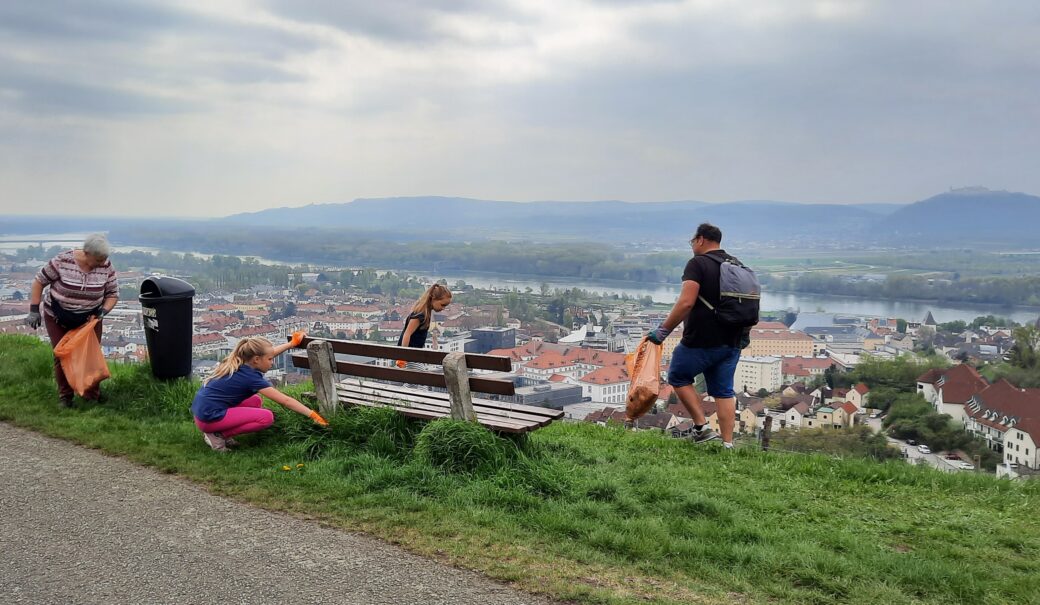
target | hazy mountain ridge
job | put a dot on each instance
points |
(971, 215)
(583, 220)
(959, 218)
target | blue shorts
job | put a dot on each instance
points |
(718, 364)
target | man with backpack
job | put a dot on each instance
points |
(717, 306)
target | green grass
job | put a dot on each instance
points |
(581, 512)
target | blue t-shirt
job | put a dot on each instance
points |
(219, 394)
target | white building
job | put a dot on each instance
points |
(1020, 444)
(606, 385)
(754, 373)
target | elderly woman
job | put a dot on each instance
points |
(82, 284)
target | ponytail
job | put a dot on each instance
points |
(246, 349)
(425, 303)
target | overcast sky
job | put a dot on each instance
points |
(222, 106)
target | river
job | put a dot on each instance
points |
(771, 301)
(663, 293)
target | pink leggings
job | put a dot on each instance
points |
(246, 417)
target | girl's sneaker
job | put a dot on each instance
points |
(215, 442)
(230, 442)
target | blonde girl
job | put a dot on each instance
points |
(229, 403)
(417, 326)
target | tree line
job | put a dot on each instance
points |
(989, 290)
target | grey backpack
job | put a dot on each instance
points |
(739, 291)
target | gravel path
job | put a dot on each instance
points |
(80, 527)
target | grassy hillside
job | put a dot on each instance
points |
(582, 512)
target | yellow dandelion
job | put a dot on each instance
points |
(286, 468)
(299, 465)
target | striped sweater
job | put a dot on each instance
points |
(73, 289)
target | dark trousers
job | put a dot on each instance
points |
(56, 332)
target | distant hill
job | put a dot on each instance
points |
(973, 215)
(619, 221)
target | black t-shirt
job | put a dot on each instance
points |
(700, 329)
(418, 339)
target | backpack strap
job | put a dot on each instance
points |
(719, 261)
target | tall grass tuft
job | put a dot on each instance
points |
(456, 446)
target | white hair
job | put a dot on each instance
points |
(96, 245)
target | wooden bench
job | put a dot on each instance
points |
(380, 386)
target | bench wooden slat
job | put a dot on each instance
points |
(518, 410)
(366, 349)
(354, 389)
(430, 379)
(485, 419)
(433, 414)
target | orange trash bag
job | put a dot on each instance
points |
(81, 358)
(644, 366)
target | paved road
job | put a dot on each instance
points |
(914, 456)
(79, 527)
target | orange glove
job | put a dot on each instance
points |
(316, 417)
(297, 338)
(401, 363)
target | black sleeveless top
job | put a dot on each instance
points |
(418, 339)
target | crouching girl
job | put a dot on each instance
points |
(229, 403)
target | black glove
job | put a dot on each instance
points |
(101, 312)
(34, 319)
(658, 334)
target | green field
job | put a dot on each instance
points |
(581, 512)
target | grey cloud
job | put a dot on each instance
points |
(88, 58)
(115, 21)
(37, 95)
(400, 21)
(105, 19)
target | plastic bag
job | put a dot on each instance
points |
(644, 367)
(81, 358)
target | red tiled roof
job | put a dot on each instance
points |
(930, 376)
(677, 409)
(862, 389)
(791, 365)
(1006, 399)
(779, 335)
(654, 421)
(253, 331)
(848, 407)
(771, 325)
(200, 339)
(607, 375)
(756, 408)
(606, 414)
(594, 356)
(548, 361)
(960, 382)
(557, 378)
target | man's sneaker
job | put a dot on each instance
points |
(703, 435)
(215, 441)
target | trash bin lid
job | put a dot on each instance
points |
(161, 287)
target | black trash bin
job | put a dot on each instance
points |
(166, 307)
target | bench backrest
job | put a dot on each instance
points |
(417, 377)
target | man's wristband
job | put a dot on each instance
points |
(34, 308)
